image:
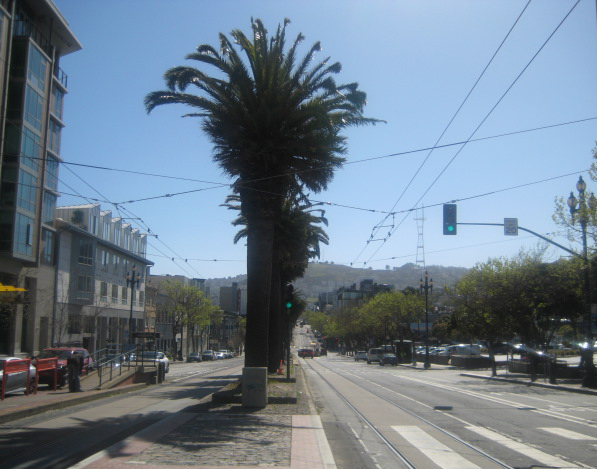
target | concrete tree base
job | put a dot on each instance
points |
(254, 386)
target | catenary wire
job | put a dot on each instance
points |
(379, 225)
(393, 230)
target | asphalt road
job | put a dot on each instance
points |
(390, 417)
(62, 438)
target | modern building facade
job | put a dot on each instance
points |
(33, 37)
(100, 279)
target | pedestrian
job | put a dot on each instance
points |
(74, 367)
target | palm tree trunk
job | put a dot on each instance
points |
(275, 322)
(259, 274)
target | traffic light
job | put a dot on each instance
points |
(450, 219)
(289, 297)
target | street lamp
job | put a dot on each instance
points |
(132, 279)
(426, 287)
(590, 378)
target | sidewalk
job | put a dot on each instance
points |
(288, 433)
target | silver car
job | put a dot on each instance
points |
(17, 382)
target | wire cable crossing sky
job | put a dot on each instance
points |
(434, 71)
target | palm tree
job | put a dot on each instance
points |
(275, 123)
(296, 240)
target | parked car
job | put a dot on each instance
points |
(220, 355)
(227, 353)
(306, 353)
(156, 357)
(373, 355)
(16, 382)
(208, 355)
(461, 349)
(63, 353)
(388, 359)
(194, 357)
(360, 355)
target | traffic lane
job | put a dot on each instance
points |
(546, 418)
(384, 418)
(59, 439)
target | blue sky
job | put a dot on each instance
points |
(416, 60)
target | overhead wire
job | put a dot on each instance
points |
(393, 230)
(376, 228)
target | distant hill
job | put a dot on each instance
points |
(328, 277)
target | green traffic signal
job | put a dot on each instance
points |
(450, 219)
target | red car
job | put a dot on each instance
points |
(306, 353)
(63, 353)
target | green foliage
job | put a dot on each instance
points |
(521, 297)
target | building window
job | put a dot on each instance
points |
(55, 133)
(89, 324)
(123, 298)
(104, 291)
(85, 252)
(58, 102)
(27, 191)
(49, 208)
(105, 258)
(141, 298)
(106, 229)
(52, 173)
(74, 323)
(34, 106)
(127, 241)
(84, 287)
(23, 234)
(48, 248)
(116, 262)
(94, 224)
(37, 71)
(117, 233)
(134, 297)
(30, 150)
(114, 293)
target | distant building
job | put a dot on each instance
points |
(94, 301)
(34, 36)
(350, 296)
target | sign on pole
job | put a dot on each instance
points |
(511, 226)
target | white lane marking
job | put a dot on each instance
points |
(439, 453)
(527, 450)
(567, 433)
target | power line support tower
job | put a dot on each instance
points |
(420, 219)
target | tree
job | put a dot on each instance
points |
(186, 305)
(297, 238)
(275, 123)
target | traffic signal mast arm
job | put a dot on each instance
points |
(570, 251)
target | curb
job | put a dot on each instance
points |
(31, 409)
(533, 383)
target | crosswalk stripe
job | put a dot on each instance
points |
(567, 433)
(527, 450)
(439, 453)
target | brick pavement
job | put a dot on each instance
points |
(216, 435)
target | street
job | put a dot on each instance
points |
(388, 417)
(60, 439)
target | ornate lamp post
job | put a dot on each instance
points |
(426, 287)
(132, 279)
(590, 378)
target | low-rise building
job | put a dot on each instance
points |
(100, 279)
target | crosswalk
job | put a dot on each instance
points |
(445, 458)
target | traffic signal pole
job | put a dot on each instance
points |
(570, 251)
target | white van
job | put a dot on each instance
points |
(374, 354)
(462, 349)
